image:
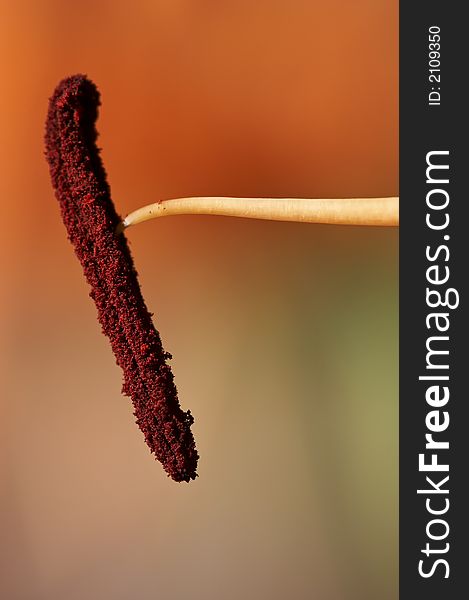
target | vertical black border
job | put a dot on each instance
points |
(424, 128)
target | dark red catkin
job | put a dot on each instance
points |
(80, 184)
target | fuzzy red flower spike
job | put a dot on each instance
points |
(80, 184)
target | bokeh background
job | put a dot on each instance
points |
(284, 335)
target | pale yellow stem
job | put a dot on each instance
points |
(338, 211)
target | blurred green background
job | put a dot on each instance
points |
(284, 336)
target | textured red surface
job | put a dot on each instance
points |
(90, 218)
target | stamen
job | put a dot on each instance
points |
(80, 184)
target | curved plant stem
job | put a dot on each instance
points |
(336, 211)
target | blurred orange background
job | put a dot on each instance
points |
(284, 336)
